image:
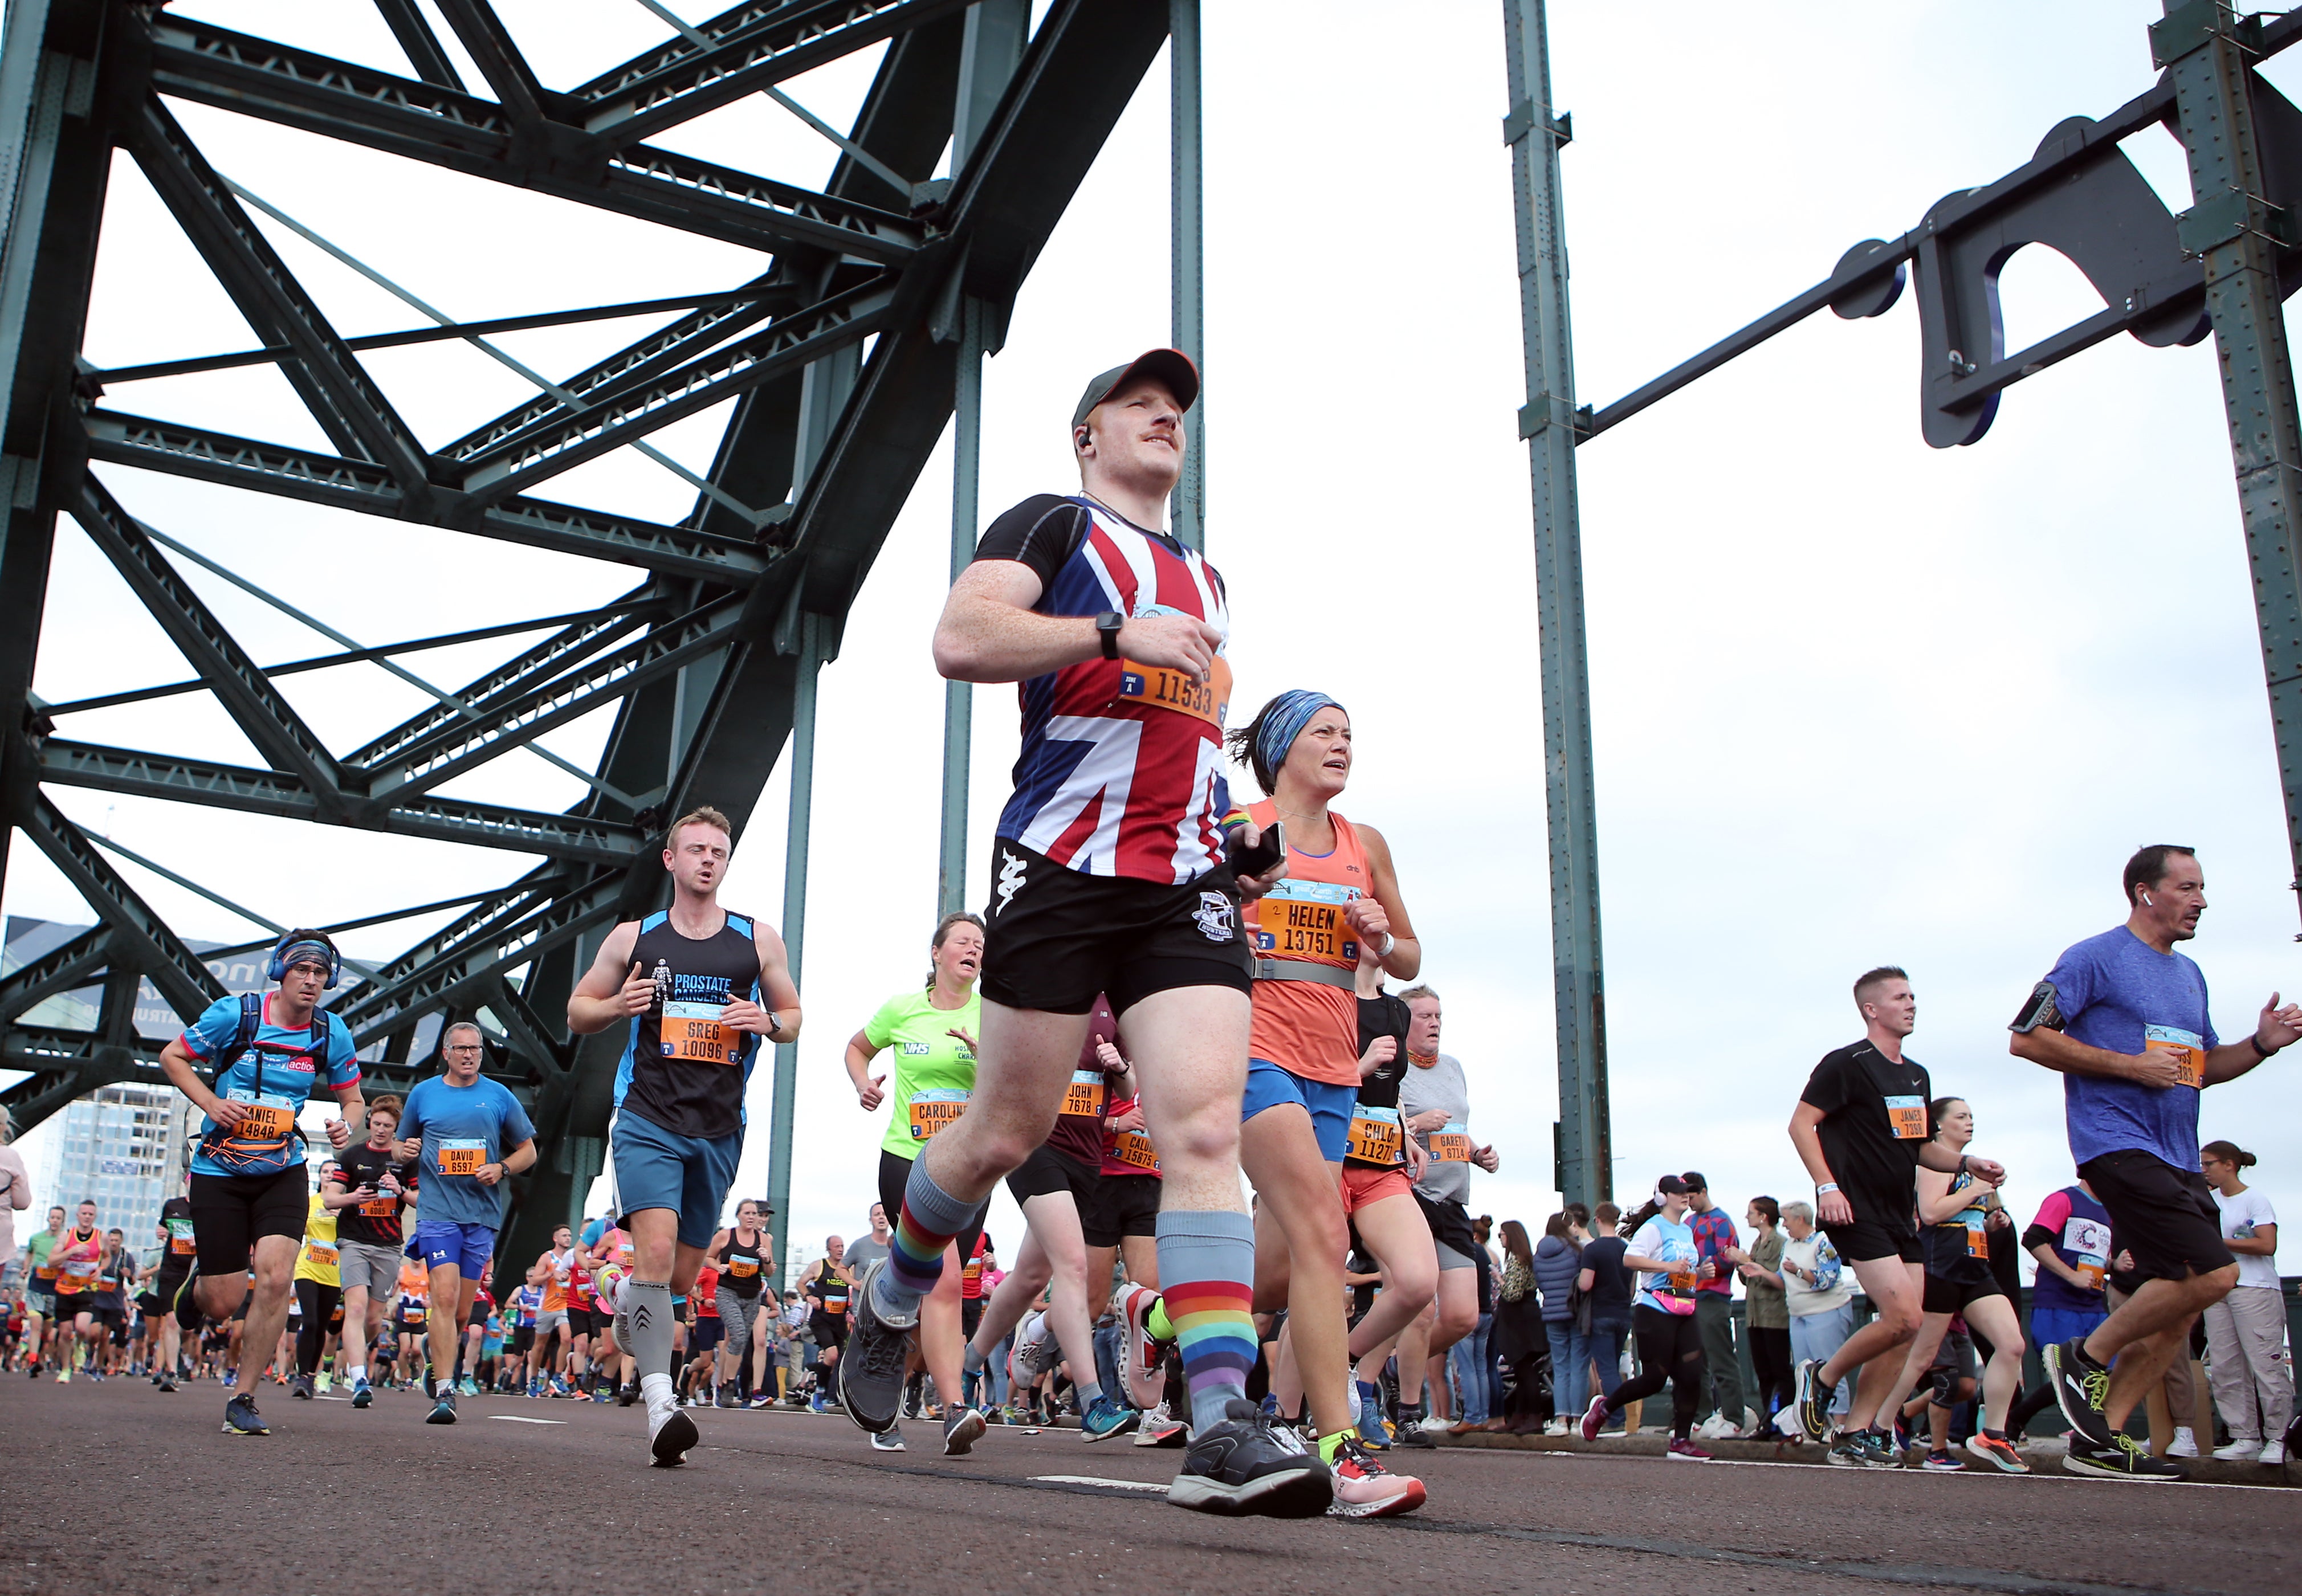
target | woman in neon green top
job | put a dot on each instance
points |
(319, 1277)
(933, 1032)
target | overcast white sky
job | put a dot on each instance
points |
(1856, 701)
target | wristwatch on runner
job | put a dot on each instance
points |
(1106, 628)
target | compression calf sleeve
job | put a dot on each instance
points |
(647, 1304)
(1207, 1263)
(932, 1218)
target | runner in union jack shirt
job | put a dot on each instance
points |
(1109, 876)
(1121, 772)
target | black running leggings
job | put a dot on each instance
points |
(319, 1305)
(1770, 1359)
(1670, 1347)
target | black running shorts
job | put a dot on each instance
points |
(2164, 1216)
(1047, 1172)
(1885, 1226)
(579, 1321)
(894, 1174)
(1953, 1296)
(148, 1304)
(231, 1213)
(1058, 936)
(1122, 1206)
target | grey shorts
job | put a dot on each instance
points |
(547, 1322)
(737, 1312)
(372, 1268)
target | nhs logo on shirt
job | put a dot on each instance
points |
(914, 1049)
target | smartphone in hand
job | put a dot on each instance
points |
(1269, 850)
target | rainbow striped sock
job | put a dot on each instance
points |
(1208, 1260)
(932, 1217)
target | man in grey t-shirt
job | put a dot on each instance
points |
(1434, 1103)
(863, 1249)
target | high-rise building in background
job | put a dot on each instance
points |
(126, 1148)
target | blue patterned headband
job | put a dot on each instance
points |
(1283, 721)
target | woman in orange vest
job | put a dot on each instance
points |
(1305, 935)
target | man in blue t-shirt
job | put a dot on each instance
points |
(2124, 1018)
(249, 1191)
(470, 1132)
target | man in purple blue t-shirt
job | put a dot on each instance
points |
(2124, 1018)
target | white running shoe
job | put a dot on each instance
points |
(2242, 1449)
(2185, 1445)
(2273, 1453)
(1714, 1428)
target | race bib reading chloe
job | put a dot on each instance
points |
(694, 1032)
(1164, 687)
(1375, 1135)
(2188, 1048)
(1907, 1116)
(1083, 1098)
(462, 1155)
(935, 1110)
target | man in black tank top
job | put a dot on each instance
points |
(699, 986)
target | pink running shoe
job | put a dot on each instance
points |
(1141, 1357)
(1593, 1417)
(1365, 1489)
(1686, 1451)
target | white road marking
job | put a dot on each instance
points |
(515, 1418)
(1106, 1484)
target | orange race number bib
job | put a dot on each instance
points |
(1134, 1149)
(1083, 1098)
(462, 1155)
(741, 1268)
(1453, 1144)
(264, 1119)
(1164, 687)
(1304, 919)
(1374, 1134)
(694, 1032)
(935, 1110)
(1907, 1116)
(180, 1243)
(1978, 1243)
(381, 1208)
(2189, 1050)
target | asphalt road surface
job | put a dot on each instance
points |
(115, 1487)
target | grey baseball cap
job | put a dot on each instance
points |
(1171, 366)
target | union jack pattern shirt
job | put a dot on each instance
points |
(1122, 768)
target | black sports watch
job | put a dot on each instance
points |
(1106, 627)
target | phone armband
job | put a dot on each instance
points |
(2039, 1011)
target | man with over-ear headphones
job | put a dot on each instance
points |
(265, 1055)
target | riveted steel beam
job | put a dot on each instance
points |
(180, 450)
(134, 773)
(401, 116)
(327, 376)
(62, 969)
(138, 934)
(270, 721)
(783, 346)
(752, 47)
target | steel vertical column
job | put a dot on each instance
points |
(959, 697)
(809, 630)
(2234, 227)
(1187, 511)
(1548, 425)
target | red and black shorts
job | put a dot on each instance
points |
(1057, 937)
